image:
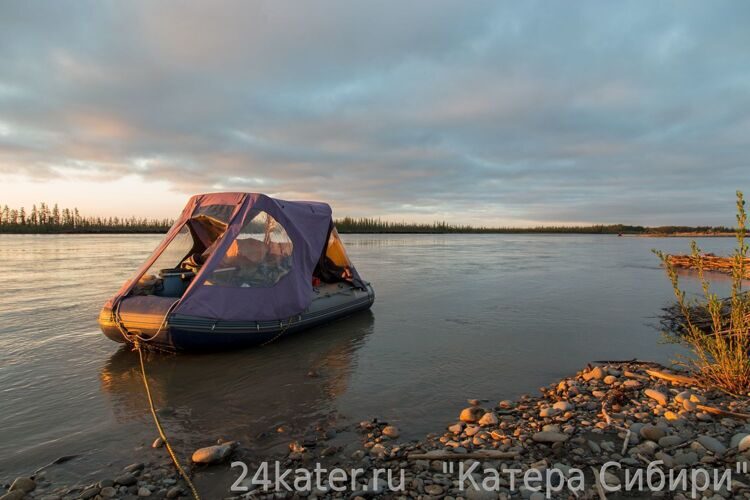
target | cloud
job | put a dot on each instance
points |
(488, 112)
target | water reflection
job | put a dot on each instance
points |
(293, 383)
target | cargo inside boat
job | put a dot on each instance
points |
(238, 269)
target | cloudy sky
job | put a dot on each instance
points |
(509, 113)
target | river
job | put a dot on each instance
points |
(456, 317)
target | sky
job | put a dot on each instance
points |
(484, 112)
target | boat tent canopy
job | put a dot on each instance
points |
(254, 256)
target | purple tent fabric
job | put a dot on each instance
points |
(306, 223)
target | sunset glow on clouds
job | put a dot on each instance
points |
(483, 112)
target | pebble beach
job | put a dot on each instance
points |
(609, 431)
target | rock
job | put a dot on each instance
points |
(689, 405)
(329, 451)
(433, 489)
(488, 418)
(697, 398)
(671, 416)
(136, 467)
(505, 404)
(607, 446)
(683, 396)
(652, 432)
(378, 451)
(107, 492)
(296, 447)
(596, 373)
(473, 402)
(669, 441)
(13, 495)
(632, 384)
(686, 458)
(666, 458)
(657, 396)
(712, 444)
(548, 412)
(594, 447)
(213, 454)
(456, 428)
(610, 379)
(472, 493)
(390, 431)
(741, 442)
(550, 437)
(610, 479)
(471, 414)
(158, 443)
(563, 406)
(472, 430)
(126, 479)
(174, 492)
(376, 485)
(90, 492)
(25, 484)
(144, 492)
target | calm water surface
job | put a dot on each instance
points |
(456, 317)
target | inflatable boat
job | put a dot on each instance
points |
(238, 270)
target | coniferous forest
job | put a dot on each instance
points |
(45, 219)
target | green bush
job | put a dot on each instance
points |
(721, 351)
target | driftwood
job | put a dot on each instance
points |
(710, 262)
(723, 413)
(634, 361)
(671, 377)
(480, 454)
(598, 484)
(57, 461)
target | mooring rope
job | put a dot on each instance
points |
(162, 434)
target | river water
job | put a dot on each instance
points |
(456, 317)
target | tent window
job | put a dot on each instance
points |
(259, 257)
(335, 265)
(221, 213)
(172, 256)
(337, 254)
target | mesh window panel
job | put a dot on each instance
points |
(258, 258)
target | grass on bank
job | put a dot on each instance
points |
(721, 349)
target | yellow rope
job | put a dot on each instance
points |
(162, 434)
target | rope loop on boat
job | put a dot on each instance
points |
(162, 434)
(282, 331)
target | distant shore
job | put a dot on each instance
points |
(48, 219)
(647, 233)
(692, 234)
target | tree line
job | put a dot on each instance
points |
(46, 219)
(371, 225)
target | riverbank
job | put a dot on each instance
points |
(632, 416)
(690, 234)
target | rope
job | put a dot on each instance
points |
(162, 434)
(281, 332)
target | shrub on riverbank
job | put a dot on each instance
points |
(721, 350)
